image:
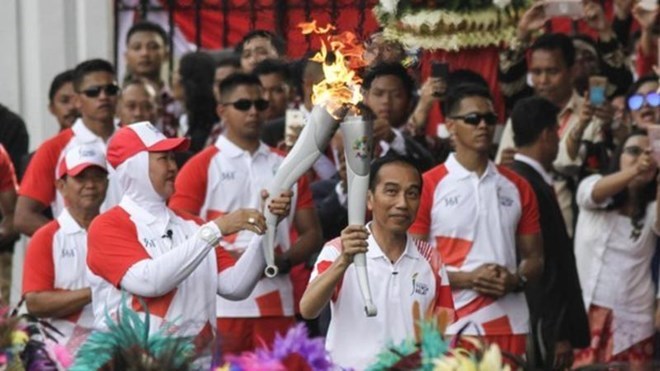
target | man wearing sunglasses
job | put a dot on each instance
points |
(484, 220)
(231, 175)
(96, 93)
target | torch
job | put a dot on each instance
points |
(358, 139)
(312, 142)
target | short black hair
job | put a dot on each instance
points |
(229, 61)
(556, 41)
(148, 86)
(632, 90)
(229, 84)
(275, 41)
(391, 158)
(465, 76)
(456, 94)
(270, 66)
(389, 69)
(146, 26)
(530, 116)
(59, 81)
(90, 66)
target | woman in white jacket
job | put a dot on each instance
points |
(167, 261)
(614, 243)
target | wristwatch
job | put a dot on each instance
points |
(209, 235)
(522, 282)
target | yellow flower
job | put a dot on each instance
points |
(19, 337)
(225, 367)
(492, 360)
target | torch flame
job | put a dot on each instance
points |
(340, 56)
(311, 27)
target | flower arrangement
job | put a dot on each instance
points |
(431, 352)
(293, 351)
(449, 25)
(127, 345)
(27, 343)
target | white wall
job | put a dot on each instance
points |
(41, 38)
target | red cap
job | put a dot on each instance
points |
(130, 140)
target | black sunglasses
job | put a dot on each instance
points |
(110, 90)
(475, 119)
(246, 104)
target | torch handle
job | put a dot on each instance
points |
(358, 137)
(313, 140)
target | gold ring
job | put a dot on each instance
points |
(251, 220)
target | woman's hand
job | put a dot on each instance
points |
(241, 219)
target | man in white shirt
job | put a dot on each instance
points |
(96, 99)
(54, 282)
(406, 276)
(483, 219)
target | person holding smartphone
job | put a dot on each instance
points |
(615, 240)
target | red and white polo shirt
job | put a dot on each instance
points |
(56, 260)
(474, 221)
(128, 234)
(417, 279)
(38, 183)
(224, 178)
(7, 172)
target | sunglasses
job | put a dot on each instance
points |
(634, 151)
(110, 90)
(475, 119)
(637, 101)
(246, 104)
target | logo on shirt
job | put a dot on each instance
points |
(418, 287)
(68, 253)
(149, 243)
(228, 175)
(504, 200)
(451, 201)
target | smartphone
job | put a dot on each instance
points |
(439, 70)
(294, 121)
(650, 5)
(597, 90)
(564, 8)
(654, 137)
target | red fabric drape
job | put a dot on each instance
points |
(483, 61)
(239, 21)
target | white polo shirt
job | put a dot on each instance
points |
(417, 278)
(128, 234)
(39, 180)
(474, 221)
(222, 179)
(56, 260)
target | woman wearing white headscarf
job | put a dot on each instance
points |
(161, 258)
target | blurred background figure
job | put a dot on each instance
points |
(193, 87)
(137, 102)
(61, 99)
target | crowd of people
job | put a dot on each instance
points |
(541, 241)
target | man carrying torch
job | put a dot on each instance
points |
(408, 280)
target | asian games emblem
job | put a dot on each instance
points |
(361, 147)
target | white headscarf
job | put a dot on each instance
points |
(133, 175)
